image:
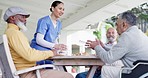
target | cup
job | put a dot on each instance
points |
(62, 52)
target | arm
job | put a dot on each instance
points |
(40, 40)
(107, 48)
(116, 53)
(19, 43)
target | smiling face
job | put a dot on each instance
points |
(58, 11)
(111, 35)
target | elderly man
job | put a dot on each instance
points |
(23, 55)
(132, 46)
(111, 35)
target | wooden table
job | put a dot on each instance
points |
(61, 61)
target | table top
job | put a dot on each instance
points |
(81, 60)
(76, 57)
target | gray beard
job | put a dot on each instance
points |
(21, 26)
(111, 39)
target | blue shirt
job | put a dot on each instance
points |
(46, 27)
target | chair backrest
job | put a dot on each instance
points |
(9, 57)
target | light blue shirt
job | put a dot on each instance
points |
(46, 27)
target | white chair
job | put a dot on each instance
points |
(14, 72)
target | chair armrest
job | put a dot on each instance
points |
(33, 68)
(140, 61)
(125, 70)
(129, 70)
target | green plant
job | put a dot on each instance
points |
(97, 34)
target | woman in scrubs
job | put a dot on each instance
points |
(48, 29)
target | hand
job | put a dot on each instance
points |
(92, 44)
(56, 47)
(55, 52)
(61, 47)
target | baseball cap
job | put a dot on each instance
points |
(14, 11)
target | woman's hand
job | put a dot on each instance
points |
(60, 47)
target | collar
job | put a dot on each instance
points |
(10, 25)
(131, 28)
(52, 19)
(115, 42)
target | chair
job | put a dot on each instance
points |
(11, 67)
(140, 70)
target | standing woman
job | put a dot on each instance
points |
(48, 29)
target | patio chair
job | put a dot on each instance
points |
(140, 70)
(11, 69)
